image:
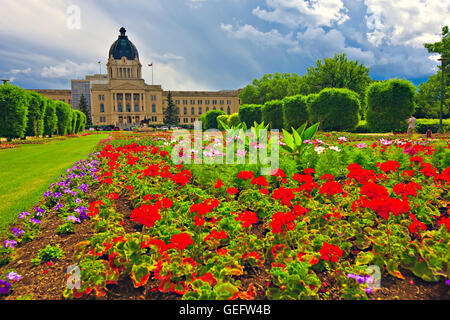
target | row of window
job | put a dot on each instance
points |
(136, 109)
(199, 101)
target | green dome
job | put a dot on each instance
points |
(123, 47)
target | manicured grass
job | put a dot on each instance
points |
(27, 172)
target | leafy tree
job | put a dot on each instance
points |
(428, 98)
(249, 113)
(171, 116)
(50, 119)
(295, 111)
(336, 109)
(209, 119)
(389, 104)
(13, 111)
(83, 105)
(272, 87)
(272, 113)
(339, 72)
(36, 110)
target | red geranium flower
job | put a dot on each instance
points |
(247, 218)
(281, 222)
(260, 181)
(330, 252)
(181, 240)
(245, 175)
(331, 188)
(232, 190)
(219, 184)
(146, 214)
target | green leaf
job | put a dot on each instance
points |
(288, 139)
(364, 258)
(310, 132)
(297, 138)
(224, 291)
(302, 128)
(421, 270)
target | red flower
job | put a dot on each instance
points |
(216, 235)
(181, 178)
(264, 191)
(407, 189)
(167, 203)
(163, 153)
(247, 218)
(388, 166)
(146, 214)
(93, 208)
(298, 210)
(245, 175)
(204, 207)
(428, 170)
(199, 222)
(232, 190)
(283, 194)
(309, 171)
(330, 252)
(112, 196)
(181, 240)
(373, 190)
(281, 222)
(360, 174)
(278, 173)
(327, 176)
(260, 181)
(219, 184)
(331, 188)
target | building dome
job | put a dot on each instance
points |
(123, 47)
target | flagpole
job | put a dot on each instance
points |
(100, 65)
(151, 65)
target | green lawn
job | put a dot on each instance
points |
(27, 172)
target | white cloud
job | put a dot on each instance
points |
(294, 13)
(68, 69)
(405, 22)
(18, 71)
(195, 3)
(272, 38)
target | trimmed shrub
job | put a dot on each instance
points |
(50, 119)
(78, 121)
(389, 104)
(249, 113)
(74, 122)
(64, 114)
(234, 120)
(224, 119)
(336, 109)
(272, 112)
(83, 122)
(36, 110)
(295, 111)
(209, 119)
(13, 111)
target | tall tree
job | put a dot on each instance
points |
(428, 98)
(339, 72)
(171, 116)
(443, 48)
(85, 109)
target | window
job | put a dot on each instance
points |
(153, 108)
(228, 101)
(103, 119)
(214, 108)
(184, 110)
(136, 108)
(207, 109)
(153, 98)
(192, 101)
(199, 101)
(120, 96)
(221, 102)
(128, 70)
(128, 96)
(185, 102)
(228, 110)
(136, 96)
(70, 101)
(214, 102)
(120, 108)
(206, 102)
(177, 101)
(192, 110)
(128, 108)
(102, 108)
(199, 110)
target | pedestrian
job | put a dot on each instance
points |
(428, 133)
(411, 125)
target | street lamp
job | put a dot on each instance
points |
(441, 59)
(5, 81)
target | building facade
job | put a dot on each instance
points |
(122, 98)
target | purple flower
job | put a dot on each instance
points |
(368, 290)
(58, 206)
(78, 201)
(57, 195)
(47, 194)
(10, 243)
(80, 210)
(17, 232)
(24, 214)
(12, 276)
(35, 221)
(5, 286)
(447, 282)
(39, 211)
(84, 216)
(83, 187)
(351, 275)
(73, 219)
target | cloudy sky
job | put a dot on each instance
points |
(216, 44)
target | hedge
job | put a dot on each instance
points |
(224, 119)
(249, 113)
(272, 113)
(234, 120)
(336, 109)
(64, 114)
(50, 119)
(209, 119)
(36, 110)
(389, 104)
(295, 111)
(13, 111)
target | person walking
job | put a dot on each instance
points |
(411, 125)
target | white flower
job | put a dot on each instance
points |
(335, 148)
(319, 150)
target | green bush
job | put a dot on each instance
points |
(36, 110)
(361, 127)
(389, 104)
(50, 118)
(295, 111)
(249, 113)
(234, 120)
(336, 109)
(83, 122)
(13, 111)
(78, 123)
(209, 119)
(64, 114)
(224, 119)
(74, 122)
(272, 113)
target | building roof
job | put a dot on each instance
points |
(123, 47)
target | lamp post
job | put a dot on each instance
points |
(5, 81)
(442, 59)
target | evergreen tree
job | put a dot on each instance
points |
(171, 116)
(85, 109)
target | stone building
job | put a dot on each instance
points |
(122, 98)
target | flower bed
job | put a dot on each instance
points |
(166, 231)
